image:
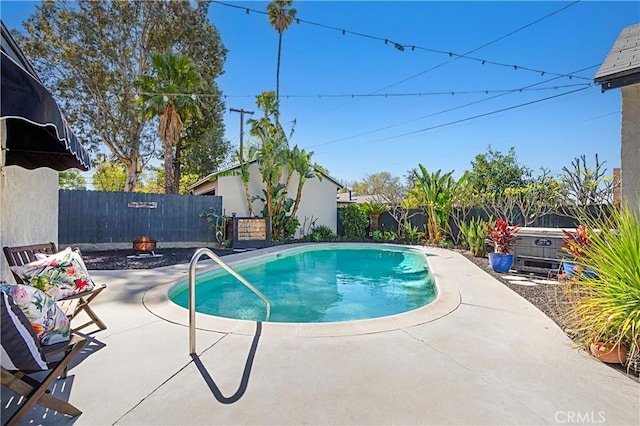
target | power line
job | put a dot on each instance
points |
(413, 47)
(481, 115)
(447, 110)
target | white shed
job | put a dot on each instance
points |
(318, 205)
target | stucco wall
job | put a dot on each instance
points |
(318, 203)
(233, 194)
(318, 198)
(631, 145)
(28, 209)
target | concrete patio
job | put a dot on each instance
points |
(480, 355)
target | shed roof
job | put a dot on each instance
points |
(621, 67)
(237, 167)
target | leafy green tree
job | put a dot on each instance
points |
(494, 171)
(355, 222)
(153, 181)
(70, 179)
(90, 53)
(166, 94)
(280, 17)
(379, 184)
(203, 151)
(109, 175)
(523, 205)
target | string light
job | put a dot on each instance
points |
(372, 95)
(450, 54)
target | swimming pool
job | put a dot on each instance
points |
(319, 283)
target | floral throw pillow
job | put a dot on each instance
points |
(47, 319)
(59, 275)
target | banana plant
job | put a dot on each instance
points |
(434, 193)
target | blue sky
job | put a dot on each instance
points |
(432, 122)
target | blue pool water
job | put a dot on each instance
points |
(318, 284)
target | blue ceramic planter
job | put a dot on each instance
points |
(569, 269)
(500, 262)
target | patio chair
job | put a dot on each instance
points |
(71, 305)
(22, 354)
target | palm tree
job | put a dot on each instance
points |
(168, 93)
(280, 18)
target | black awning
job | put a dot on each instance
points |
(37, 134)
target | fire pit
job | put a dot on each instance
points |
(144, 247)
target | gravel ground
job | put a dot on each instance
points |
(119, 259)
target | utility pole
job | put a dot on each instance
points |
(242, 113)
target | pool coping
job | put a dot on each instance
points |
(157, 302)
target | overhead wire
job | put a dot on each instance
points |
(447, 110)
(480, 115)
(400, 46)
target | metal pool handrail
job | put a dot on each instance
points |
(192, 291)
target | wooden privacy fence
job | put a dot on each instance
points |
(94, 217)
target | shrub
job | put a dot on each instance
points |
(413, 234)
(321, 233)
(606, 307)
(475, 236)
(384, 236)
(355, 222)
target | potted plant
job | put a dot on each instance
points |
(574, 245)
(604, 313)
(503, 237)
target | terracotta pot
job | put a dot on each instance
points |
(609, 353)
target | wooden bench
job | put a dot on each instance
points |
(72, 305)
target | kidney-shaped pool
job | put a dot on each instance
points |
(318, 283)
